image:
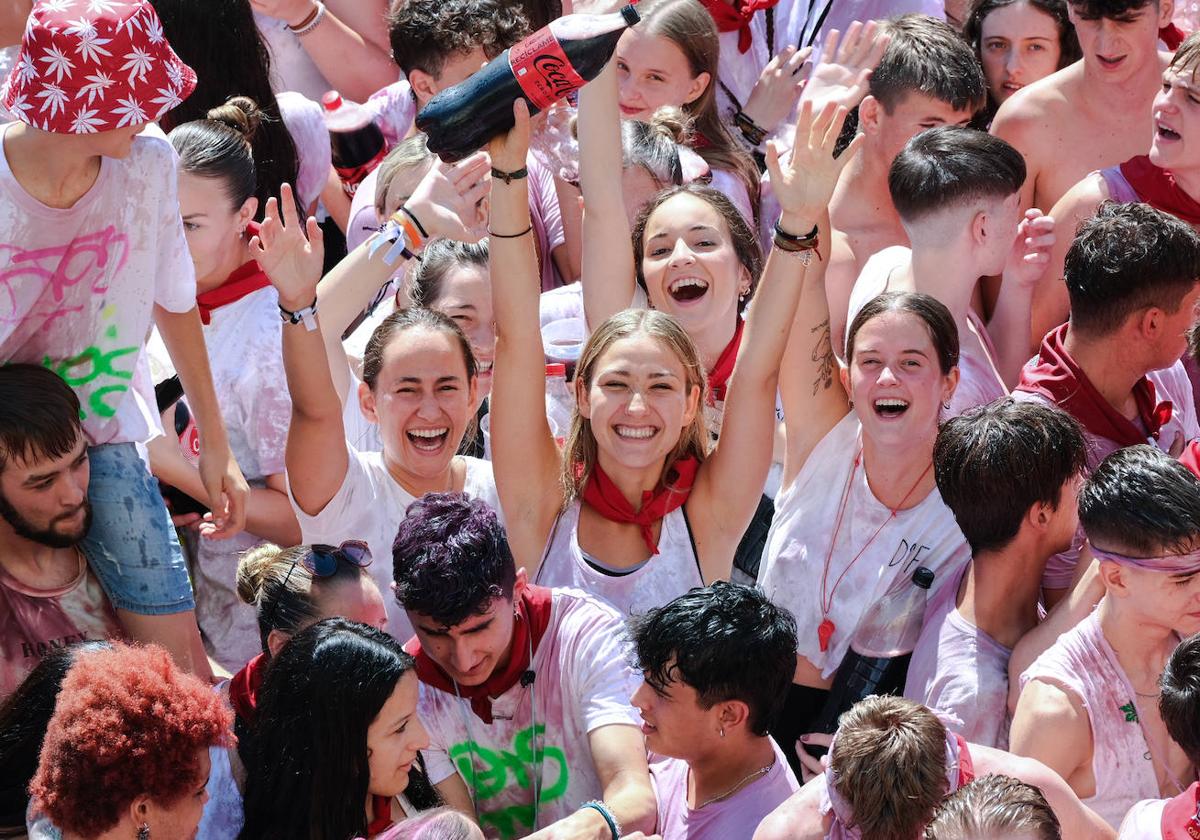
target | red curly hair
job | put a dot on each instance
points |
(127, 723)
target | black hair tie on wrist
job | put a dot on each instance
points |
(509, 177)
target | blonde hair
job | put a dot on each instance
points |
(991, 805)
(889, 763)
(407, 154)
(580, 452)
(282, 590)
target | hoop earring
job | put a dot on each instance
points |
(143, 833)
(946, 406)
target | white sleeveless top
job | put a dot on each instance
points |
(665, 576)
(799, 541)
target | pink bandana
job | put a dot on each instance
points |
(87, 66)
(1176, 564)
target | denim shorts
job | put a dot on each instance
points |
(132, 545)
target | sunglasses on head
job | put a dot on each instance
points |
(322, 561)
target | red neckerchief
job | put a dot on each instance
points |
(1181, 815)
(1190, 457)
(243, 688)
(1157, 187)
(1057, 378)
(1172, 36)
(718, 377)
(606, 498)
(736, 18)
(382, 821)
(533, 617)
(245, 279)
(966, 767)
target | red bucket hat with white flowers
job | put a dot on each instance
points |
(94, 65)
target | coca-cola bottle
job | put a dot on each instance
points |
(543, 68)
(357, 142)
(880, 650)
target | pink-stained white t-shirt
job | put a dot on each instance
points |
(78, 286)
(369, 506)
(1144, 821)
(1083, 664)
(291, 66)
(961, 673)
(662, 578)
(1170, 383)
(584, 681)
(394, 110)
(36, 622)
(734, 818)
(305, 122)
(979, 382)
(799, 542)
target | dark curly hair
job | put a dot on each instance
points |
(424, 34)
(727, 642)
(451, 558)
(127, 723)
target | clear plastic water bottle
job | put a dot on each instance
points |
(560, 404)
(880, 650)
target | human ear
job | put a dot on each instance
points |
(697, 88)
(366, 402)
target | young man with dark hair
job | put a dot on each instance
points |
(1086, 706)
(1133, 275)
(524, 690)
(928, 76)
(955, 191)
(1030, 458)
(717, 664)
(49, 597)
(1177, 818)
(891, 764)
(1096, 112)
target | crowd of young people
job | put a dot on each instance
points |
(861, 304)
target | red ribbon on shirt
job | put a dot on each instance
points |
(244, 280)
(606, 498)
(736, 17)
(1057, 377)
(243, 688)
(1156, 186)
(718, 377)
(533, 617)
(1181, 815)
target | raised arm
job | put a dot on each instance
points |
(730, 482)
(1026, 269)
(524, 455)
(1051, 725)
(607, 261)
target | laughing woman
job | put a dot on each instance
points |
(636, 510)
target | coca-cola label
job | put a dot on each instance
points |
(542, 69)
(352, 176)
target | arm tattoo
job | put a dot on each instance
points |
(822, 354)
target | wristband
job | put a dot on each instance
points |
(806, 242)
(307, 315)
(311, 22)
(509, 235)
(602, 809)
(404, 233)
(752, 131)
(509, 177)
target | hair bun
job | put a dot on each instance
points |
(674, 124)
(252, 571)
(241, 113)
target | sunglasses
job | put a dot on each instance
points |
(322, 561)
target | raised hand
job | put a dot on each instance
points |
(447, 198)
(1030, 254)
(509, 151)
(804, 184)
(846, 65)
(292, 260)
(778, 88)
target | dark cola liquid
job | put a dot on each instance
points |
(462, 119)
(356, 152)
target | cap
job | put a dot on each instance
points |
(332, 100)
(556, 369)
(87, 66)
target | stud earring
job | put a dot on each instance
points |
(143, 833)
(722, 731)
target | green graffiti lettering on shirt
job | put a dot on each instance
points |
(493, 777)
(92, 364)
(1130, 710)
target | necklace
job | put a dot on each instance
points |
(826, 628)
(762, 771)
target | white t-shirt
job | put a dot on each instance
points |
(584, 681)
(78, 286)
(291, 67)
(1144, 821)
(369, 506)
(799, 540)
(305, 122)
